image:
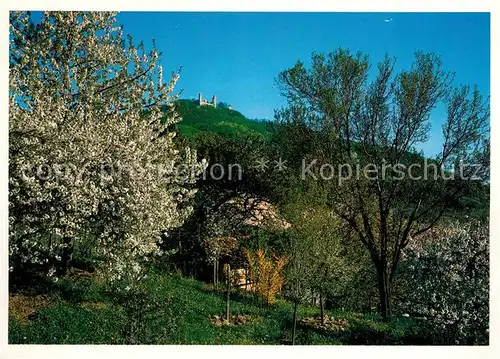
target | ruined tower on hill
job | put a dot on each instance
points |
(204, 102)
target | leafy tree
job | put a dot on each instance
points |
(85, 105)
(375, 125)
(216, 248)
(335, 263)
(229, 190)
(298, 275)
(223, 105)
(266, 275)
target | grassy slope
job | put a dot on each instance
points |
(196, 119)
(179, 311)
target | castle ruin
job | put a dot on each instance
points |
(204, 102)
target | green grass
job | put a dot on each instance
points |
(175, 310)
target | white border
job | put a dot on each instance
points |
(260, 5)
(372, 352)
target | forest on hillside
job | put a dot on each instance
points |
(223, 120)
(323, 225)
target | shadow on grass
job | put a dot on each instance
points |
(363, 334)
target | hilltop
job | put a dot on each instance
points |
(222, 120)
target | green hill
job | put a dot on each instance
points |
(222, 120)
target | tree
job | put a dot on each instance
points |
(266, 273)
(374, 126)
(229, 192)
(92, 154)
(452, 273)
(337, 265)
(298, 275)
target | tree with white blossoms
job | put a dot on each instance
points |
(92, 151)
(448, 279)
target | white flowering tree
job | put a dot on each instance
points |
(92, 152)
(449, 283)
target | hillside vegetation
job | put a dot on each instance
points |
(176, 310)
(221, 120)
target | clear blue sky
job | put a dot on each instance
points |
(238, 55)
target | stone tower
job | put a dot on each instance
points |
(204, 102)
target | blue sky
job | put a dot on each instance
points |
(237, 56)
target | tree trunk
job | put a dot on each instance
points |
(181, 258)
(384, 291)
(228, 291)
(215, 273)
(294, 322)
(246, 279)
(321, 308)
(216, 263)
(66, 256)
